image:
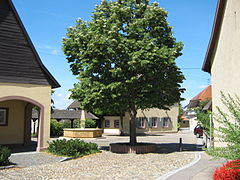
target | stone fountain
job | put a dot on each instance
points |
(82, 132)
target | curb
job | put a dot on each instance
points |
(169, 174)
(68, 159)
(8, 167)
(24, 153)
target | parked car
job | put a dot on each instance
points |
(198, 131)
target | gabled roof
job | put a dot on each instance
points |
(204, 95)
(19, 61)
(209, 57)
(74, 105)
(208, 106)
(66, 114)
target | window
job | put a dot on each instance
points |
(153, 122)
(3, 116)
(141, 122)
(116, 123)
(166, 121)
(107, 123)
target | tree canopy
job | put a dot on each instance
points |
(125, 57)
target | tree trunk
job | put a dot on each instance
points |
(133, 136)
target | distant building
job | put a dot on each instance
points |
(61, 115)
(190, 112)
(152, 120)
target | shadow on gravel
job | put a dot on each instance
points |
(174, 147)
(18, 148)
(166, 148)
(138, 135)
(104, 148)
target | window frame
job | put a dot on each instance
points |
(5, 120)
(141, 125)
(116, 120)
(107, 122)
(155, 120)
(167, 120)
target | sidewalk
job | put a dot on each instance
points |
(202, 170)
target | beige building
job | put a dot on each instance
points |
(24, 83)
(222, 59)
(152, 120)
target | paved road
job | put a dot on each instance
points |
(100, 166)
(202, 170)
(167, 142)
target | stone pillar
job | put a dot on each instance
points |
(44, 129)
(27, 124)
(82, 119)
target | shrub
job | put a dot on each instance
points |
(229, 130)
(76, 123)
(66, 124)
(72, 148)
(89, 123)
(56, 128)
(230, 170)
(5, 153)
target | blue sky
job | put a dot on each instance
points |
(46, 22)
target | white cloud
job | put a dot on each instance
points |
(49, 49)
(54, 52)
(61, 99)
(59, 95)
(202, 86)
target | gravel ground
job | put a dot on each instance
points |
(105, 165)
(33, 159)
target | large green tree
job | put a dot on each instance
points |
(125, 56)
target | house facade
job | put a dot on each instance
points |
(223, 54)
(190, 112)
(24, 83)
(151, 120)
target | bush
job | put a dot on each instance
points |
(230, 170)
(66, 124)
(5, 153)
(72, 148)
(89, 123)
(203, 118)
(229, 130)
(56, 128)
(76, 123)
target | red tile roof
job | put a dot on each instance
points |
(206, 94)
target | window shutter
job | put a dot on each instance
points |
(150, 122)
(159, 122)
(137, 122)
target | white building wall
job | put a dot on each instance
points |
(226, 65)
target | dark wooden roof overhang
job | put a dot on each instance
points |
(11, 76)
(74, 105)
(65, 114)
(214, 36)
